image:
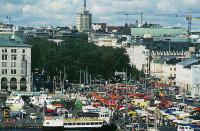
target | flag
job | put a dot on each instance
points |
(7, 17)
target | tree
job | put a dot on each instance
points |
(75, 54)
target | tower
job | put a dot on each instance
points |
(84, 19)
(85, 5)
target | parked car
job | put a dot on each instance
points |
(14, 114)
(184, 128)
(33, 116)
(179, 97)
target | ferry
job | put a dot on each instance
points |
(53, 123)
(60, 124)
(94, 124)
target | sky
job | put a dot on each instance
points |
(63, 12)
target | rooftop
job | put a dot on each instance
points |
(158, 32)
(172, 60)
(9, 40)
(189, 62)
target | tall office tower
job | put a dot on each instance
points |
(84, 20)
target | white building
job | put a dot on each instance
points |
(139, 57)
(184, 74)
(195, 80)
(84, 20)
(15, 63)
(108, 41)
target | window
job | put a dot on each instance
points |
(4, 50)
(13, 71)
(170, 69)
(4, 71)
(13, 64)
(23, 50)
(4, 57)
(4, 64)
(13, 50)
(174, 69)
(13, 57)
(23, 57)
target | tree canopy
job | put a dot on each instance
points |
(73, 55)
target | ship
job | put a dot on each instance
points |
(51, 123)
(87, 123)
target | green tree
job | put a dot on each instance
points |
(75, 54)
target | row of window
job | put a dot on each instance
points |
(13, 71)
(4, 64)
(84, 123)
(172, 69)
(13, 57)
(12, 50)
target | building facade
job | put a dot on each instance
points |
(15, 63)
(84, 20)
(139, 57)
(184, 74)
(165, 69)
(108, 41)
(195, 80)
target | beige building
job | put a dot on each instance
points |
(15, 63)
(84, 20)
(164, 69)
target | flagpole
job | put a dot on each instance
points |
(54, 85)
(63, 85)
(60, 80)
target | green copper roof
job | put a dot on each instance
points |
(158, 32)
(8, 40)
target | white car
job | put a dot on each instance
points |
(179, 97)
(33, 116)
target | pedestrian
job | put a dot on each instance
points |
(165, 123)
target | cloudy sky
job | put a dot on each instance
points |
(63, 12)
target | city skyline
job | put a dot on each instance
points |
(63, 12)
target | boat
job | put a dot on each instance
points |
(103, 113)
(14, 100)
(86, 123)
(53, 123)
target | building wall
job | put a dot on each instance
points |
(22, 67)
(156, 69)
(183, 78)
(139, 57)
(163, 71)
(131, 55)
(195, 80)
(169, 71)
(84, 21)
(107, 41)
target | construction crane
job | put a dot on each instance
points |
(188, 17)
(141, 16)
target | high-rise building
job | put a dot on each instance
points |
(84, 20)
